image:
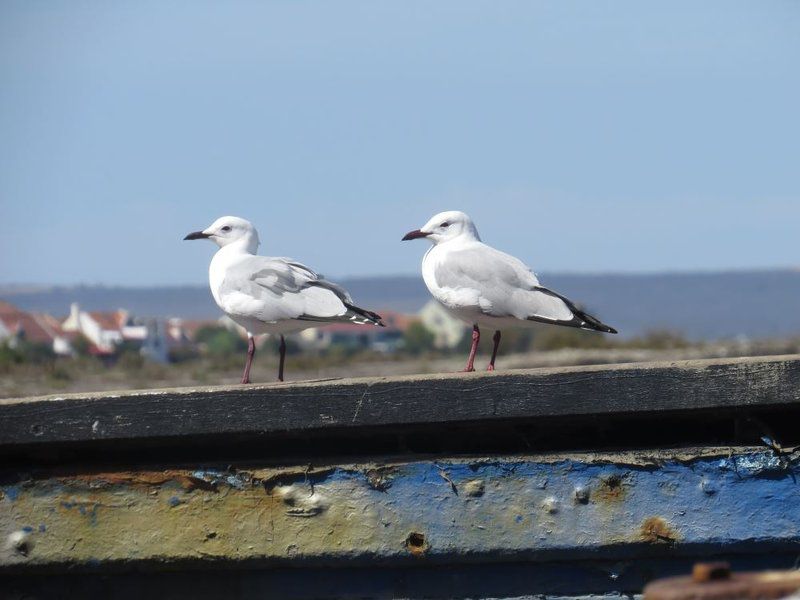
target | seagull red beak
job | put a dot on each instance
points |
(413, 235)
(197, 235)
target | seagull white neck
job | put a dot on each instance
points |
(224, 257)
(247, 244)
(465, 237)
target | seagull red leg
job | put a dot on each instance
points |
(496, 340)
(476, 337)
(251, 352)
(282, 350)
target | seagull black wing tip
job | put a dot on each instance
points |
(370, 316)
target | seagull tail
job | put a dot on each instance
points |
(363, 317)
(580, 319)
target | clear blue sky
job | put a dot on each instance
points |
(581, 136)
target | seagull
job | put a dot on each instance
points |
(483, 286)
(266, 294)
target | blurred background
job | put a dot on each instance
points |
(641, 157)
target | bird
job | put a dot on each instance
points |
(274, 295)
(486, 287)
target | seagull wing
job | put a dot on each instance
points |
(276, 289)
(500, 285)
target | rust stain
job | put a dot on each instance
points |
(611, 489)
(271, 480)
(656, 530)
(142, 478)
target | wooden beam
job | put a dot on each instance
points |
(648, 389)
(580, 506)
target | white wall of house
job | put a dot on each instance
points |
(135, 332)
(154, 345)
(315, 339)
(82, 322)
(62, 347)
(447, 330)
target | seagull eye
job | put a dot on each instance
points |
(445, 224)
(226, 228)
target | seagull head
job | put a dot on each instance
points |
(444, 227)
(229, 230)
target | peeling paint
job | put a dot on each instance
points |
(185, 479)
(380, 478)
(475, 488)
(753, 464)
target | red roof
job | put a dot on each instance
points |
(5, 308)
(109, 321)
(397, 320)
(345, 328)
(33, 327)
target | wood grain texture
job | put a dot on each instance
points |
(641, 389)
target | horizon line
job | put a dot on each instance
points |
(38, 286)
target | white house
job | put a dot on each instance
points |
(17, 325)
(102, 329)
(447, 330)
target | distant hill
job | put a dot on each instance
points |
(700, 305)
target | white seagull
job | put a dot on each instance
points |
(483, 286)
(267, 294)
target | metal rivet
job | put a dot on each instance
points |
(20, 542)
(708, 487)
(550, 505)
(581, 494)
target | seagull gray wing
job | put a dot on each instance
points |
(273, 289)
(500, 285)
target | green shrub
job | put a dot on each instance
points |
(220, 342)
(418, 339)
(80, 345)
(559, 337)
(659, 339)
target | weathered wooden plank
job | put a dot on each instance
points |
(643, 389)
(538, 508)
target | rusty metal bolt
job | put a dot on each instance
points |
(713, 571)
(715, 581)
(416, 543)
